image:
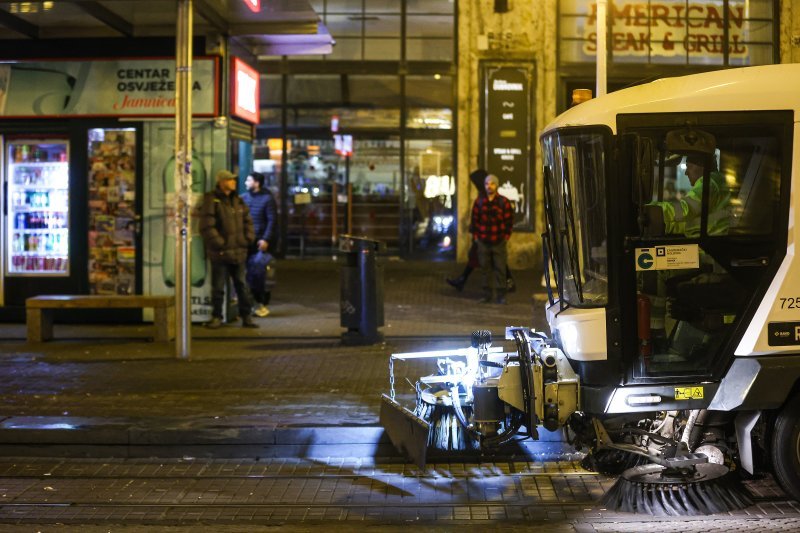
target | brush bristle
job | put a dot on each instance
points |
(447, 433)
(701, 496)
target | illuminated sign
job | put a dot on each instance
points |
(343, 144)
(738, 31)
(254, 5)
(506, 132)
(669, 29)
(103, 87)
(245, 92)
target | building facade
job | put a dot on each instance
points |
(379, 137)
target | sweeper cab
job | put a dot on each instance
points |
(673, 356)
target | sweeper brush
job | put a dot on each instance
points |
(655, 490)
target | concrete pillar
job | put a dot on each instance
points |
(790, 31)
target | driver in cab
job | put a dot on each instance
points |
(682, 214)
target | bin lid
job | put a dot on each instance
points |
(353, 243)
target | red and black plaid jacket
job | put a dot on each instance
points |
(492, 220)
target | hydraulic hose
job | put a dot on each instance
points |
(526, 371)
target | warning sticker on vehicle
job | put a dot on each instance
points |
(689, 393)
(668, 257)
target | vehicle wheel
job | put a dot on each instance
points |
(786, 448)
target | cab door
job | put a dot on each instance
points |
(706, 231)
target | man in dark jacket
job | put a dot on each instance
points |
(263, 212)
(227, 231)
(491, 225)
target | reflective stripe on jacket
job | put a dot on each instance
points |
(682, 216)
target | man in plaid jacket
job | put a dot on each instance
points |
(492, 222)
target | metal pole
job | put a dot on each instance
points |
(334, 213)
(349, 194)
(349, 208)
(602, 28)
(183, 179)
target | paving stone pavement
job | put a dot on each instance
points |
(108, 383)
(106, 390)
(298, 494)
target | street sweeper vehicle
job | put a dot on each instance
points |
(673, 357)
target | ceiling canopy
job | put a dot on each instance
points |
(278, 27)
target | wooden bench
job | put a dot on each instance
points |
(39, 311)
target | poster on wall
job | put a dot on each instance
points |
(208, 156)
(112, 206)
(507, 130)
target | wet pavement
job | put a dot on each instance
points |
(110, 386)
(278, 427)
(300, 494)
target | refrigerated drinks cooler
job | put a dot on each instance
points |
(37, 222)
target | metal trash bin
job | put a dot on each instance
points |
(361, 298)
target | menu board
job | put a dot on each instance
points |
(507, 131)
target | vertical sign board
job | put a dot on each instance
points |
(245, 92)
(507, 133)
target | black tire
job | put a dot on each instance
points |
(786, 447)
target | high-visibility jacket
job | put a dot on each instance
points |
(682, 215)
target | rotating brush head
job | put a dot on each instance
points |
(707, 488)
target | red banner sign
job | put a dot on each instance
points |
(254, 5)
(245, 92)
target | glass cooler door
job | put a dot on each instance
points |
(37, 241)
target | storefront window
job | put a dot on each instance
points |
(429, 100)
(365, 101)
(314, 89)
(331, 192)
(371, 91)
(677, 32)
(430, 189)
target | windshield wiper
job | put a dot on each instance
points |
(549, 238)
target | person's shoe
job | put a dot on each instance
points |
(247, 322)
(501, 300)
(458, 283)
(214, 323)
(511, 286)
(261, 311)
